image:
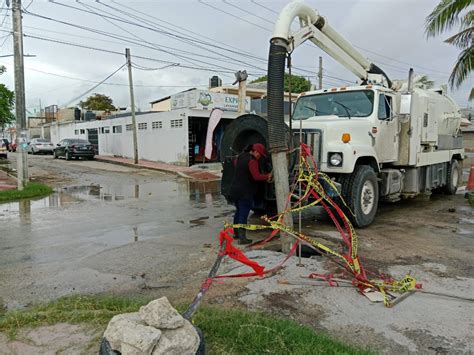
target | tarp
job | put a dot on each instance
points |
(216, 115)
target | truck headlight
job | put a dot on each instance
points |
(335, 159)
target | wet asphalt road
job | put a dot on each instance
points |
(106, 228)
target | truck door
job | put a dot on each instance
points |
(386, 130)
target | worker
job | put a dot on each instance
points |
(245, 184)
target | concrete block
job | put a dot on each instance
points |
(129, 329)
(180, 341)
(161, 314)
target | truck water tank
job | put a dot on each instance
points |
(438, 114)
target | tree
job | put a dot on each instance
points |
(446, 15)
(298, 83)
(7, 101)
(424, 81)
(98, 102)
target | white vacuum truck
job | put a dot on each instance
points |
(378, 141)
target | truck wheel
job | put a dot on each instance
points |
(361, 192)
(452, 180)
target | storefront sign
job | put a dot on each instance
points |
(206, 100)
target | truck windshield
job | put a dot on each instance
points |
(341, 103)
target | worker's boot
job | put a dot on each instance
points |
(242, 237)
(236, 233)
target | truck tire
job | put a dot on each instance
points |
(361, 193)
(244, 130)
(452, 180)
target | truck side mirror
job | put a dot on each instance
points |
(405, 104)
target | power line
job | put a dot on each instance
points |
(236, 50)
(139, 67)
(122, 39)
(95, 86)
(266, 8)
(247, 12)
(7, 37)
(232, 15)
(370, 51)
(140, 57)
(102, 33)
(156, 29)
(134, 35)
(399, 61)
(187, 39)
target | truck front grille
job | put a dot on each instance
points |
(312, 138)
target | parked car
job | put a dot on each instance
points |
(11, 146)
(40, 145)
(74, 148)
(3, 149)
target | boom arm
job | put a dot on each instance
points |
(315, 28)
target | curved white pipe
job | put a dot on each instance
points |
(345, 46)
(306, 14)
(294, 9)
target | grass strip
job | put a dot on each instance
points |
(226, 331)
(31, 190)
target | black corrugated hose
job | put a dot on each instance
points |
(275, 90)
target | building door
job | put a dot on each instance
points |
(93, 138)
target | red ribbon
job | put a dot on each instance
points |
(329, 278)
(237, 254)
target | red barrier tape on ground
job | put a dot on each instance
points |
(309, 180)
(237, 254)
(329, 278)
(259, 270)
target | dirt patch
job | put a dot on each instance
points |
(60, 338)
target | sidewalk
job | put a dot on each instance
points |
(7, 182)
(203, 172)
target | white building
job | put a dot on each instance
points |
(176, 137)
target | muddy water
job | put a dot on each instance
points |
(97, 237)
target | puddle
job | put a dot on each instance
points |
(461, 231)
(198, 221)
(469, 221)
(205, 194)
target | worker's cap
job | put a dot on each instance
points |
(258, 147)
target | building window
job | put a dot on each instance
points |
(142, 126)
(105, 130)
(157, 125)
(129, 127)
(83, 131)
(177, 123)
(76, 132)
(117, 129)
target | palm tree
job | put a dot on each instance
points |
(446, 15)
(424, 81)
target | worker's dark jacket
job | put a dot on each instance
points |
(243, 185)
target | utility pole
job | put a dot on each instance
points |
(20, 108)
(132, 103)
(241, 78)
(320, 73)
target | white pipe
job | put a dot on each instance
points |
(345, 46)
(307, 14)
(288, 14)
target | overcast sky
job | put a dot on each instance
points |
(186, 42)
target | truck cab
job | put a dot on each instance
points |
(348, 124)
